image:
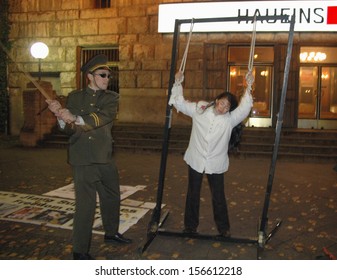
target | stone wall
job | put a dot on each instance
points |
(65, 25)
(145, 55)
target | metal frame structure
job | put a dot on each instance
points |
(158, 219)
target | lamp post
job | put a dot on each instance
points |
(40, 51)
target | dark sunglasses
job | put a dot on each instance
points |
(104, 75)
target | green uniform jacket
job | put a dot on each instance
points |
(92, 142)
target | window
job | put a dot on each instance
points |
(238, 57)
(95, 4)
(103, 4)
(318, 83)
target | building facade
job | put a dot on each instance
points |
(140, 55)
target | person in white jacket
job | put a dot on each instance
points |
(207, 152)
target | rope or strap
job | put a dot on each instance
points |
(183, 61)
(252, 47)
(177, 90)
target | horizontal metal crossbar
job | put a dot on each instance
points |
(162, 231)
(282, 18)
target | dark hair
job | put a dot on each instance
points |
(230, 97)
(226, 94)
(235, 139)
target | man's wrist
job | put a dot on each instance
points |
(79, 120)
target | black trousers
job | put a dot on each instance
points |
(89, 179)
(220, 211)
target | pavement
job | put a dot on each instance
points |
(303, 197)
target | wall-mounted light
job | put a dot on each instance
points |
(233, 73)
(264, 73)
(325, 76)
(40, 51)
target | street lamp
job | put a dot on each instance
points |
(39, 50)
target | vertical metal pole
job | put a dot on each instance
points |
(153, 225)
(264, 218)
(39, 69)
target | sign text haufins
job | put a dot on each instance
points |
(309, 15)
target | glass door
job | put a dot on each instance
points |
(328, 100)
(238, 57)
(307, 108)
(317, 102)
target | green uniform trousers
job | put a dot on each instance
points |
(89, 179)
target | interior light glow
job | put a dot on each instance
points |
(312, 56)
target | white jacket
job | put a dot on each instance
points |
(208, 146)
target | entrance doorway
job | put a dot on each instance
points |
(238, 56)
(317, 106)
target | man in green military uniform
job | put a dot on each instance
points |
(88, 119)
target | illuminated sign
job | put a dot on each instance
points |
(311, 16)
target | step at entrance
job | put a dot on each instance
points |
(299, 144)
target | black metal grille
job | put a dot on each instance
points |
(103, 3)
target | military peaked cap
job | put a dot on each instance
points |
(99, 61)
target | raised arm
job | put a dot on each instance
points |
(246, 103)
(177, 97)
